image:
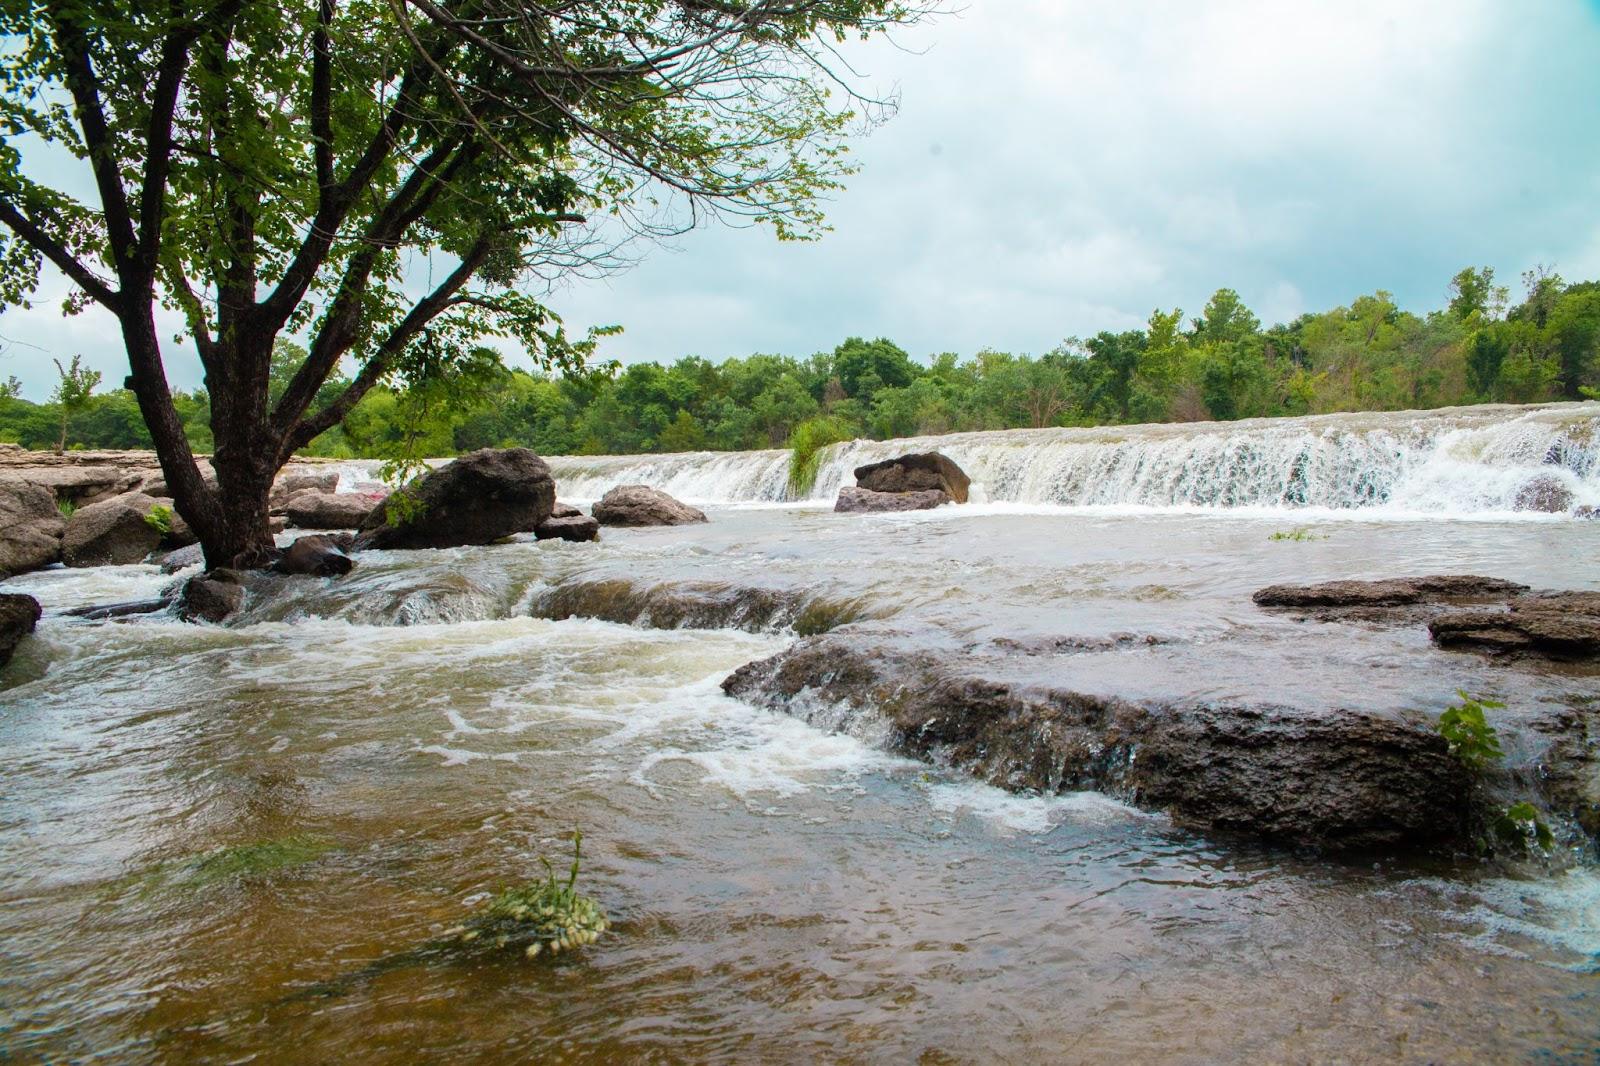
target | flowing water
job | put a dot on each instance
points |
(201, 828)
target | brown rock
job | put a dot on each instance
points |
(1550, 633)
(480, 498)
(112, 532)
(853, 499)
(291, 483)
(318, 555)
(641, 505)
(565, 510)
(18, 615)
(314, 509)
(915, 473)
(1392, 592)
(211, 597)
(577, 527)
(30, 528)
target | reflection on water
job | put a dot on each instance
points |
(781, 894)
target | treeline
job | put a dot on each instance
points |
(1370, 355)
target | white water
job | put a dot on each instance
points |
(1452, 462)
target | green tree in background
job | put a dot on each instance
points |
(72, 393)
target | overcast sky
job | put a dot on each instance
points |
(1058, 167)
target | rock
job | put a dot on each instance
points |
(211, 597)
(1544, 492)
(576, 527)
(1391, 592)
(853, 499)
(30, 528)
(79, 485)
(129, 608)
(291, 483)
(1558, 626)
(1586, 512)
(696, 605)
(918, 472)
(182, 559)
(314, 509)
(479, 498)
(317, 555)
(110, 533)
(1347, 780)
(18, 615)
(641, 505)
(565, 510)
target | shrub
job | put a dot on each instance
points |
(806, 444)
(159, 519)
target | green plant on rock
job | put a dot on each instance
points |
(805, 451)
(159, 519)
(67, 508)
(1471, 738)
(543, 916)
(1520, 826)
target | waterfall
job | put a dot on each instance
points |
(1455, 461)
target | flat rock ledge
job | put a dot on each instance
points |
(1462, 611)
(1343, 781)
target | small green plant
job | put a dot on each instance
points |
(1297, 534)
(159, 519)
(548, 915)
(1520, 825)
(805, 451)
(1471, 738)
(67, 508)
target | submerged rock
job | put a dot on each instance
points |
(575, 527)
(1346, 780)
(641, 505)
(918, 472)
(112, 532)
(18, 615)
(30, 528)
(480, 498)
(696, 605)
(316, 509)
(1544, 492)
(212, 596)
(317, 555)
(854, 500)
(1391, 592)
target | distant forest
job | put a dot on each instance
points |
(1222, 365)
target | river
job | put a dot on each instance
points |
(200, 824)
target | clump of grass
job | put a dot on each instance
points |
(805, 444)
(546, 916)
(159, 519)
(821, 615)
(1297, 534)
(67, 508)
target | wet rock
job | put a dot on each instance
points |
(103, 611)
(697, 605)
(112, 532)
(1545, 492)
(855, 500)
(1554, 628)
(30, 528)
(575, 527)
(182, 559)
(1391, 592)
(18, 615)
(480, 498)
(918, 472)
(641, 505)
(314, 509)
(565, 510)
(320, 556)
(1346, 780)
(1587, 512)
(211, 597)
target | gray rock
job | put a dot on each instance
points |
(918, 472)
(211, 597)
(18, 615)
(641, 505)
(291, 483)
(30, 528)
(1544, 492)
(1390, 592)
(318, 555)
(182, 559)
(479, 498)
(314, 509)
(853, 500)
(575, 527)
(565, 510)
(112, 532)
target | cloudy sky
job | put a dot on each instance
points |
(1063, 166)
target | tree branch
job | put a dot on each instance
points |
(57, 253)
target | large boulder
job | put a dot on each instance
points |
(641, 505)
(315, 509)
(291, 483)
(112, 532)
(853, 499)
(18, 616)
(918, 472)
(30, 528)
(317, 555)
(479, 498)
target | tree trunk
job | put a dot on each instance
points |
(246, 458)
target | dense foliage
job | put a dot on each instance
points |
(1222, 365)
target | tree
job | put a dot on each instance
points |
(72, 393)
(10, 388)
(1473, 292)
(271, 169)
